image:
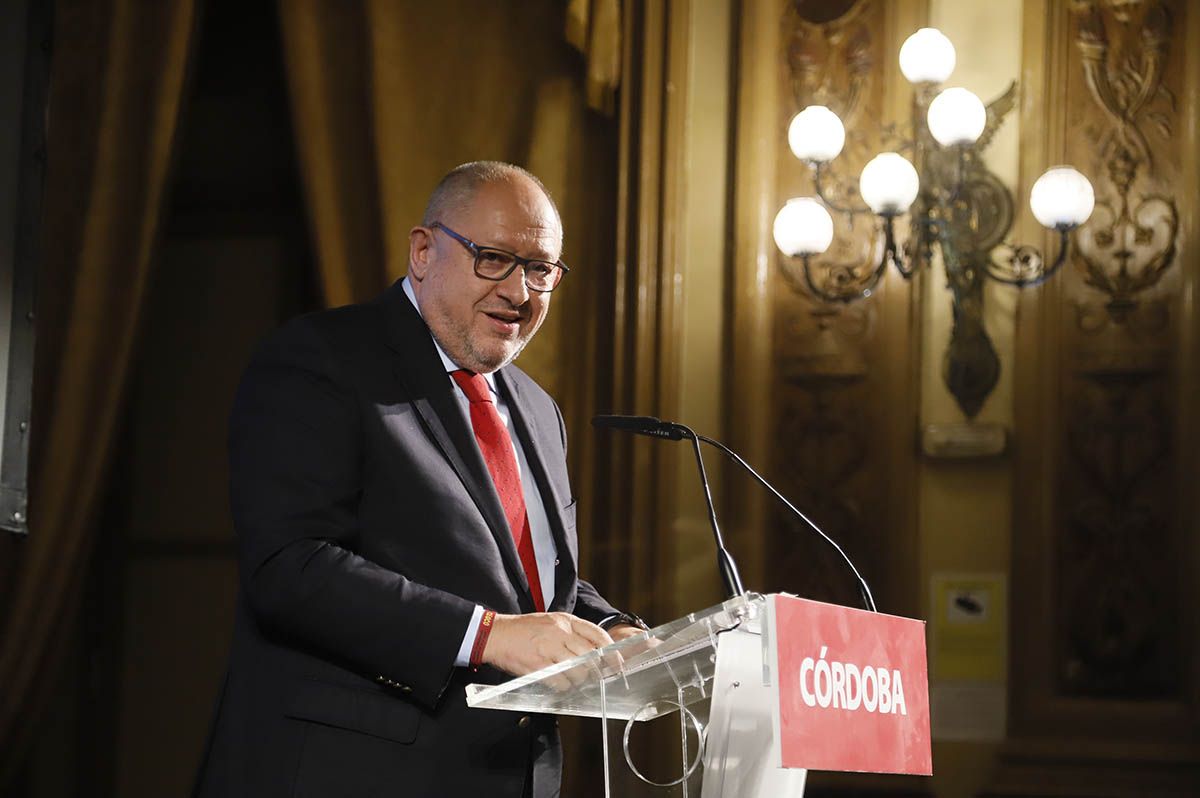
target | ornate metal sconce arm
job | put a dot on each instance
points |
(1024, 266)
(851, 210)
(848, 282)
(904, 262)
(842, 277)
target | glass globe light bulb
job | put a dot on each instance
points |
(889, 183)
(956, 116)
(1062, 198)
(927, 57)
(803, 227)
(816, 134)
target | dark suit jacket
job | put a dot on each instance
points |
(368, 528)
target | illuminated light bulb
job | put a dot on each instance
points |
(1062, 198)
(803, 227)
(927, 57)
(889, 184)
(816, 134)
(956, 116)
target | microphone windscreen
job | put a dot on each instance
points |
(629, 423)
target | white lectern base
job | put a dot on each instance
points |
(741, 749)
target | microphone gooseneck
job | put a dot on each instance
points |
(725, 563)
(657, 428)
(863, 588)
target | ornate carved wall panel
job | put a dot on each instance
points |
(843, 394)
(1104, 553)
(1116, 540)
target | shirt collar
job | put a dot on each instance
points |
(447, 363)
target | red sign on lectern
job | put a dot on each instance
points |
(853, 688)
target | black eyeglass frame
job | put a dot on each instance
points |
(477, 249)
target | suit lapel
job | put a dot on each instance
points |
(419, 369)
(532, 431)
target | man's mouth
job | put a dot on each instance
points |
(505, 321)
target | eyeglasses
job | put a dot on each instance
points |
(542, 276)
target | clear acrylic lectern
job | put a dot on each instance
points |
(708, 668)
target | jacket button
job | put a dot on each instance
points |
(404, 688)
(524, 722)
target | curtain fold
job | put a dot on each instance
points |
(594, 28)
(387, 97)
(117, 80)
(327, 68)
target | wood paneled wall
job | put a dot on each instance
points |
(1105, 687)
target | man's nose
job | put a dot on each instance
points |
(513, 287)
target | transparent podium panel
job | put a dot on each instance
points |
(636, 688)
(641, 674)
(657, 758)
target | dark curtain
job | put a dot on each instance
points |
(117, 79)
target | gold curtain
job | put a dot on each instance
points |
(387, 97)
(594, 29)
(117, 80)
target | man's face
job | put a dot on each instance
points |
(483, 324)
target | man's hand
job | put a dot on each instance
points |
(621, 631)
(521, 644)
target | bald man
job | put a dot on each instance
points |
(406, 525)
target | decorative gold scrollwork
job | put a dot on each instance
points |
(1130, 242)
(1124, 251)
(1016, 263)
(830, 59)
(1118, 483)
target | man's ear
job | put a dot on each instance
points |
(420, 241)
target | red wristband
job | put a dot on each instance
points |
(481, 637)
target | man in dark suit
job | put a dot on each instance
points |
(406, 525)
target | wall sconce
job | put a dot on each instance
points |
(953, 203)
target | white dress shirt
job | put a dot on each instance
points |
(539, 523)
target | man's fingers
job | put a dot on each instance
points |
(559, 683)
(591, 632)
(575, 646)
(624, 631)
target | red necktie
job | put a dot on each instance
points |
(497, 449)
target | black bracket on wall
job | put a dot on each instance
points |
(25, 44)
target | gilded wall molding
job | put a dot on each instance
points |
(1116, 484)
(822, 416)
(833, 53)
(834, 443)
(1131, 242)
(1105, 679)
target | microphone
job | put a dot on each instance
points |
(656, 428)
(646, 425)
(643, 425)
